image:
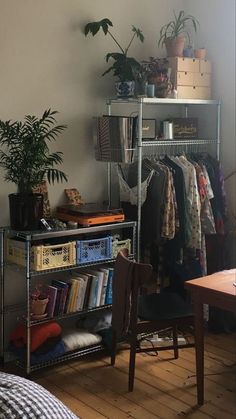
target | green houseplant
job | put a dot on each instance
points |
(157, 74)
(124, 68)
(27, 161)
(173, 34)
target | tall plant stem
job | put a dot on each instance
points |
(117, 43)
(130, 43)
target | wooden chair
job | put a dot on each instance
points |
(134, 313)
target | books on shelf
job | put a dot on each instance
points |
(108, 298)
(86, 289)
(52, 295)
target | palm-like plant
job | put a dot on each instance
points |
(177, 27)
(25, 154)
(124, 67)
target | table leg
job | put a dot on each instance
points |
(199, 348)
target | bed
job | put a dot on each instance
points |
(21, 398)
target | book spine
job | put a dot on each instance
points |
(108, 299)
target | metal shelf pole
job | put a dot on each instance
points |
(2, 325)
(109, 164)
(140, 117)
(28, 288)
(218, 129)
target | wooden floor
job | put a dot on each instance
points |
(164, 387)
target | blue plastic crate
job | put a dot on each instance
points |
(94, 250)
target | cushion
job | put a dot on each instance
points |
(162, 306)
(75, 339)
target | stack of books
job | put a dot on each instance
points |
(86, 289)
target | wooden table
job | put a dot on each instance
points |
(218, 291)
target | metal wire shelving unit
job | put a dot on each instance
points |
(145, 147)
(30, 237)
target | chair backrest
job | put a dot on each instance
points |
(128, 277)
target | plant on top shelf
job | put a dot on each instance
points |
(173, 34)
(157, 74)
(27, 161)
(124, 68)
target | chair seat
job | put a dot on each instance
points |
(165, 305)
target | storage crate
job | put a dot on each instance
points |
(94, 250)
(42, 257)
(118, 245)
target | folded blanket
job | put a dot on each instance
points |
(39, 334)
(58, 350)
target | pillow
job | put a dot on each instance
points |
(96, 321)
(22, 398)
(75, 339)
(39, 334)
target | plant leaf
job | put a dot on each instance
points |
(138, 33)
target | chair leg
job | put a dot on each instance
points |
(175, 342)
(133, 345)
(113, 347)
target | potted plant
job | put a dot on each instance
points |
(157, 74)
(172, 35)
(124, 68)
(38, 303)
(27, 161)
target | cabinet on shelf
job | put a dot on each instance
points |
(164, 146)
(45, 254)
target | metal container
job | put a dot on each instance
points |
(167, 130)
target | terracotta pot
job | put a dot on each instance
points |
(175, 46)
(200, 53)
(38, 307)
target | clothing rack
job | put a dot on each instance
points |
(169, 146)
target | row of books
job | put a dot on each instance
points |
(86, 289)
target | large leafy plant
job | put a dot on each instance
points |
(25, 155)
(180, 25)
(124, 67)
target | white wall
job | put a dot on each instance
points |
(217, 34)
(46, 61)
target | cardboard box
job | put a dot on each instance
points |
(194, 92)
(202, 79)
(204, 66)
(184, 78)
(184, 64)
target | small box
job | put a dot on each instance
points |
(42, 257)
(148, 129)
(94, 250)
(205, 66)
(118, 245)
(184, 64)
(185, 127)
(194, 92)
(183, 78)
(201, 79)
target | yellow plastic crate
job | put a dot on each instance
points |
(42, 257)
(118, 245)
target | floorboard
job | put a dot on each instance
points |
(165, 388)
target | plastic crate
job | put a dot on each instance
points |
(118, 245)
(42, 257)
(94, 250)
